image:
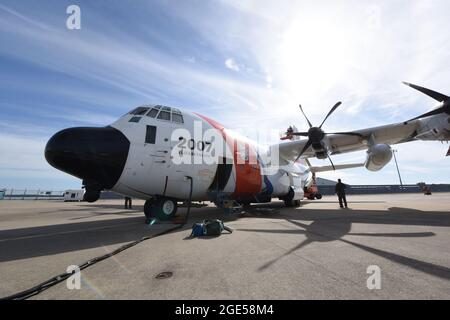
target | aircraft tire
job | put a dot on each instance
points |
(246, 204)
(91, 195)
(292, 203)
(318, 196)
(163, 209)
(167, 209)
(148, 210)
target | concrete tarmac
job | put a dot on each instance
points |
(317, 251)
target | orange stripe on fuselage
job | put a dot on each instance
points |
(248, 175)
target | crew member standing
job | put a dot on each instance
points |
(127, 203)
(340, 191)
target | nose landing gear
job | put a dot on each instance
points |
(92, 191)
(160, 208)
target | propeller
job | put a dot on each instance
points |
(445, 100)
(316, 134)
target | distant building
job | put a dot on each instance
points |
(325, 182)
(326, 187)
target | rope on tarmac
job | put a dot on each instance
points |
(63, 276)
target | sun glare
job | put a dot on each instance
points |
(313, 56)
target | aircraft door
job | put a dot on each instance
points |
(139, 175)
(157, 146)
(177, 185)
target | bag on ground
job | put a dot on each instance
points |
(209, 228)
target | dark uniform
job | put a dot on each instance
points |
(340, 191)
(127, 203)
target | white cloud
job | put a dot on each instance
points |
(231, 64)
(269, 81)
(316, 57)
(23, 164)
(190, 59)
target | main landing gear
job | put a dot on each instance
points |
(160, 208)
(292, 203)
(289, 200)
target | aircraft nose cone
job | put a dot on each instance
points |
(94, 154)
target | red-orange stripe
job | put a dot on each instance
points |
(248, 176)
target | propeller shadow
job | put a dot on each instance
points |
(329, 226)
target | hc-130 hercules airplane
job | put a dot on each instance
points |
(165, 155)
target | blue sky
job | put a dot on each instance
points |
(247, 64)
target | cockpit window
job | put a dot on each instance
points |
(164, 115)
(177, 117)
(159, 112)
(139, 111)
(135, 119)
(153, 113)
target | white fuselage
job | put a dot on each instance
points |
(164, 153)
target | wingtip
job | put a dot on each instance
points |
(406, 83)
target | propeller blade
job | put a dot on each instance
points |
(307, 145)
(433, 94)
(347, 134)
(431, 113)
(300, 134)
(329, 113)
(332, 164)
(301, 109)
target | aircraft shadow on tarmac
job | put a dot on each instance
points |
(24, 243)
(99, 209)
(333, 225)
(327, 225)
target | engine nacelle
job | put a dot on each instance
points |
(378, 156)
(434, 128)
(281, 184)
(435, 134)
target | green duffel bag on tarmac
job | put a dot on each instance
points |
(214, 227)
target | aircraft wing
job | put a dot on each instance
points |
(316, 169)
(388, 134)
(330, 144)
